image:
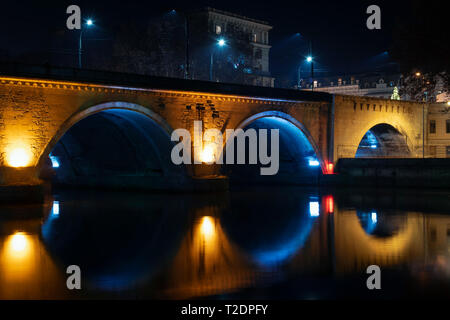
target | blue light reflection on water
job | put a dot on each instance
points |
(126, 243)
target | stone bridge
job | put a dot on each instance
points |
(101, 128)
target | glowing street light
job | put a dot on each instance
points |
(89, 23)
(221, 43)
(309, 59)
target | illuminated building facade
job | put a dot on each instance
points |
(251, 35)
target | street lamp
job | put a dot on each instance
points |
(186, 38)
(221, 43)
(89, 23)
(310, 60)
(419, 75)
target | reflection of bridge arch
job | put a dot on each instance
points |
(299, 159)
(355, 247)
(270, 242)
(119, 242)
(143, 134)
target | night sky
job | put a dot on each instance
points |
(341, 42)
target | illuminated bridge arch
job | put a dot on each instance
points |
(133, 141)
(300, 159)
(384, 140)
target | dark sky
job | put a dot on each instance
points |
(341, 41)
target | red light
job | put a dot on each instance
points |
(330, 168)
(329, 204)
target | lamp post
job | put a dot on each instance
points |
(221, 43)
(89, 23)
(186, 37)
(310, 60)
(419, 76)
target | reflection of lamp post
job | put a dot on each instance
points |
(221, 43)
(89, 23)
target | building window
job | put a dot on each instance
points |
(266, 37)
(448, 151)
(258, 54)
(432, 126)
(218, 29)
(448, 126)
(254, 37)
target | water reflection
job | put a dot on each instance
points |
(117, 242)
(26, 269)
(283, 242)
(207, 262)
(381, 224)
(271, 226)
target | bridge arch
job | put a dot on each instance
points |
(297, 145)
(143, 131)
(383, 139)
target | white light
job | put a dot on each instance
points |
(18, 242)
(89, 22)
(374, 146)
(314, 163)
(19, 158)
(309, 59)
(55, 162)
(314, 209)
(208, 153)
(374, 217)
(207, 226)
(221, 42)
(55, 208)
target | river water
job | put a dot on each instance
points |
(272, 243)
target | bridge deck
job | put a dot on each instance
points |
(159, 83)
